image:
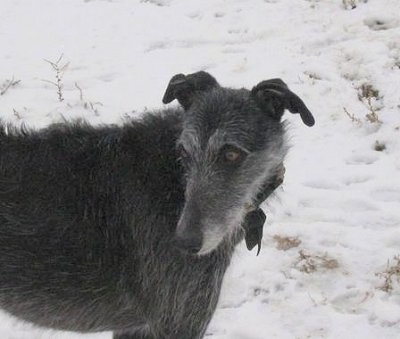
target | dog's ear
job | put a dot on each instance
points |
(183, 87)
(274, 97)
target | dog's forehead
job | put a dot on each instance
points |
(219, 108)
(221, 115)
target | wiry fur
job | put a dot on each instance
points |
(226, 117)
(88, 217)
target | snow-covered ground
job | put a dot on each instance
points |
(338, 212)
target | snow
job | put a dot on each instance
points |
(340, 198)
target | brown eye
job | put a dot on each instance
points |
(232, 156)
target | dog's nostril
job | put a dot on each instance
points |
(190, 245)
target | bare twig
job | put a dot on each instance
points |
(352, 117)
(366, 93)
(8, 84)
(80, 91)
(285, 243)
(17, 114)
(59, 69)
(309, 263)
(351, 3)
(89, 105)
(390, 275)
(372, 116)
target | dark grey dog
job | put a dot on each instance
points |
(131, 228)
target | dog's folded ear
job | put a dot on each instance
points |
(183, 87)
(274, 97)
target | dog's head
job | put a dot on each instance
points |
(232, 142)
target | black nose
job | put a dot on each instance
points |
(190, 245)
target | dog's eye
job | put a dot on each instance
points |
(232, 154)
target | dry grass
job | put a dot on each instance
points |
(17, 114)
(349, 4)
(352, 4)
(309, 263)
(284, 243)
(379, 146)
(368, 95)
(59, 69)
(352, 117)
(87, 104)
(391, 275)
(7, 84)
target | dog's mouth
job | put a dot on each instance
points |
(249, 206)
(200, 235)
(209, 246)
(208, 240)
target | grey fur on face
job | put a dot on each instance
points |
(98, 225)
(218, 123)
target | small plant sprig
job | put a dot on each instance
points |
(6, 85)
(285, 243)
(351, 4)
(366, 94)
(17, 114)
(352, 117)
(390, 275)
(309, 263)
(88, 105)
(59, 69)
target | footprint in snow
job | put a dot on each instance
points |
(381, 24)
(356, 179)
(366, 159)
(321, 184)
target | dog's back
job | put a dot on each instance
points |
(83, 213)
(103, 228)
